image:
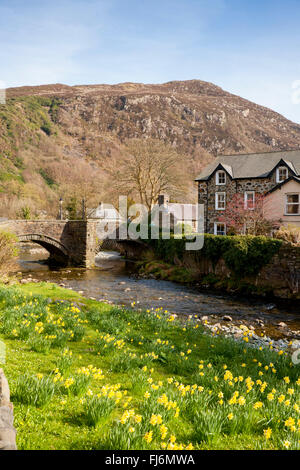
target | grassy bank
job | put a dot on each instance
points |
(87, 375)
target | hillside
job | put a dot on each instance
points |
(57, 140)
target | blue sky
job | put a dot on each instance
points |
(248, 47)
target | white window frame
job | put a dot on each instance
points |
(216, 228)
(246, 200)
(292, 203)
(278, 180)
(217, 201)
(218, 177)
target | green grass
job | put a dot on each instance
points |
(88, 375)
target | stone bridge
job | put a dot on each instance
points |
(71, 242)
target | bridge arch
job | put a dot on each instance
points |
(58, 252)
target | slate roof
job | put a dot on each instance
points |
(279, 185)
(254, 165)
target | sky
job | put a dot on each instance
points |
(248, 47)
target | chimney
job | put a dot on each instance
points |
(163, 199)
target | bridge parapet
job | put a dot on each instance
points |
(71, 242)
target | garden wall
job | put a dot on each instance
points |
(280, 277)
(258, 265)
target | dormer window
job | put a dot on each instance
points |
(281, 174)
(220, 177)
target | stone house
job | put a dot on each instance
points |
(274, 174)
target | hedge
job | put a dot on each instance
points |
(244, 255)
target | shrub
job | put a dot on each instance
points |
(8, 253)
(243, 254)
(246, 255)
(44, 174)
(24, 213)
(290, 234)
(185, 229)
(47, 128)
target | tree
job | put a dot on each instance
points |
(77, 182)
(71, 209)
(247, 219)
(8, 253)
(149, 168)
(24, 213)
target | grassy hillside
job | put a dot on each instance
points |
(37, 159)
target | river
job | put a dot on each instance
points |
(113, 279)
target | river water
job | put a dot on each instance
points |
(113, 279)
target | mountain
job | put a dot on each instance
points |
(56, 138)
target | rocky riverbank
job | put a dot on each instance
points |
(279, 337)
(264, 329)
(113, 282)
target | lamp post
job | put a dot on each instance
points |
(83, 209)
(60, 209)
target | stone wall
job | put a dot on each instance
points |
(7, 430)
(283, 273)
(281, 276)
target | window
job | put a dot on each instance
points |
(249, 200)
(220, 201)
(220, 177)
(219, 228)
(292, 204)
(281, 174)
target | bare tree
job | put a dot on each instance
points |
(82, 181)
(149, 168)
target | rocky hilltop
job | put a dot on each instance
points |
(193, 115)
(45, 130)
